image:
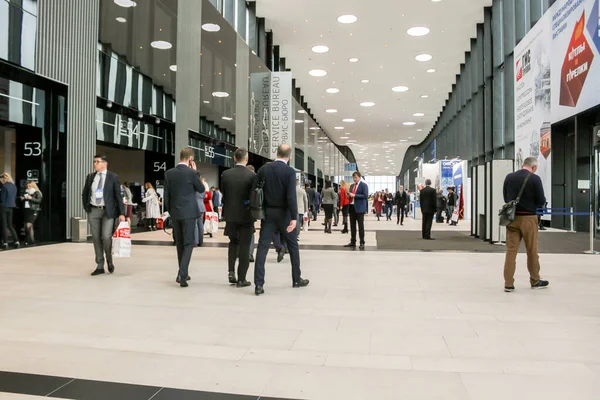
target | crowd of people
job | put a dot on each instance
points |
(30, 203)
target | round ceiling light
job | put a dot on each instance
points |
(344, 137)
(161, 45)
(299, 121)
(418, 130)
(365, 81)
(431, 70)
(347, 19)
(125, 3)
(366, 104)
(317, 72)
(121, 20)
(410, 123)
(419, 114)
(339, 128)
(210, 27)
(332, 90)
(424, 57)
(227, 118)
(353, 60)
(220, 94)
(352, 119)
(418, 31)
(173, 68)
(400, 89)
(301, 112)
(320, 49)
(424, 96)
(331, 110)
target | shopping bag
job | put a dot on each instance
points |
(212, 222)
(305, 224)
(454, 216)
(121, 241)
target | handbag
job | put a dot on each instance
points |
(509, 210)
(257, 198)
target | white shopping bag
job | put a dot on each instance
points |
(305, 222)
(121, 241)
(454, 216)
(211, 224)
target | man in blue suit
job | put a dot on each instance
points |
(359, 204)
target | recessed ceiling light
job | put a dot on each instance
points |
(424, 96)
(410, 137)
(206, 102)
(173, 68)
(301, 112)
(210, 27)
(366, 104)
(365, 81)
(418, 114)
(436, 1)
(403, 140)
(410, 123)
(331, 110)
(400, 89)
(339, 128)
(332, 90)
(418, 31)
(227, 118)
(353, 60)
(344, 137)
(161, 45)
(348, 120)
(315, 128)
(419, 130)
(121, 19)
(220, 94)
(125, 3)
(431, 70)
(320, 49)
(423, 57)
(317, 72)
(299, 121)
(347, 19)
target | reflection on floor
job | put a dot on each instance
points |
(373, 324)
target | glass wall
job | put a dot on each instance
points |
(18, 27)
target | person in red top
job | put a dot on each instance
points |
(378, 203)
(208, 204)
(344, 203)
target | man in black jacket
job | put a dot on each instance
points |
(181, 185)
(236, 185)
(428, 200)
(281, 212)
(441, 206)
(525, 224)
(103, 203)
(401, 200)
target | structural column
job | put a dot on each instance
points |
(242, 105)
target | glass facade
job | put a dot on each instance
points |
(18, 28)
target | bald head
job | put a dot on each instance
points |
(284, 152)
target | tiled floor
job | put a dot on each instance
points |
(374, 324)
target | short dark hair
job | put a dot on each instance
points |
(284, 151)
(327, 184)
(240, 154)
(356, 173)
(186, 153)
(427, 182)
(102, 157)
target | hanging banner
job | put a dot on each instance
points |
(260, 101)
(447, 174)
(458, 182)
(282, 118)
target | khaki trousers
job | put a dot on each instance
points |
(524, 227)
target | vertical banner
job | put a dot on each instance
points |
(260, 96)
(458, 181)
(282, 118)
(447, 174)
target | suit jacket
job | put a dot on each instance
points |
(428, 199)
(181, 186)
(113, 201)
(280, 187)
(401, 198)
(361, 199)
(236, 185)
(311, 194)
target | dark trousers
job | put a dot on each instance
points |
(400, 213)
(388, 211)
(102, 229)
(427, 222)
(438, 217)
(183, 232)
(276, 239)
(6, 215)
(276, 219)
(240, 235)
(354, 219)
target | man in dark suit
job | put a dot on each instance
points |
(401, 200)
(236, 186)
(103, 203)
(359, 204)
(428, 200)
(312, 197)
(281, 212)
(181, 185)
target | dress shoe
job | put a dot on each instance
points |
(232, 279)
(243, 283)
(98, 271)
(178, 280)
(183, 284)
(429, 238)
(259, 290)
(251, 259)
(362, 246)
(301, 283)
(111, 268)
(280, 255)
(17, 245)
(351, 245)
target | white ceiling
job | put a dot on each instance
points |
(386, 56)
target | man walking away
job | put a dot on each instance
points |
(312, 196)
(181, 186)
(428, 199)
(401, 201)
(236, 185)
(103, 203)
(359, 204)
(281, 212)
(441, 206)
(525, 225)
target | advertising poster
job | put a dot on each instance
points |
(282, 112)
(458, 182)
(447, 174)
(260, 96)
